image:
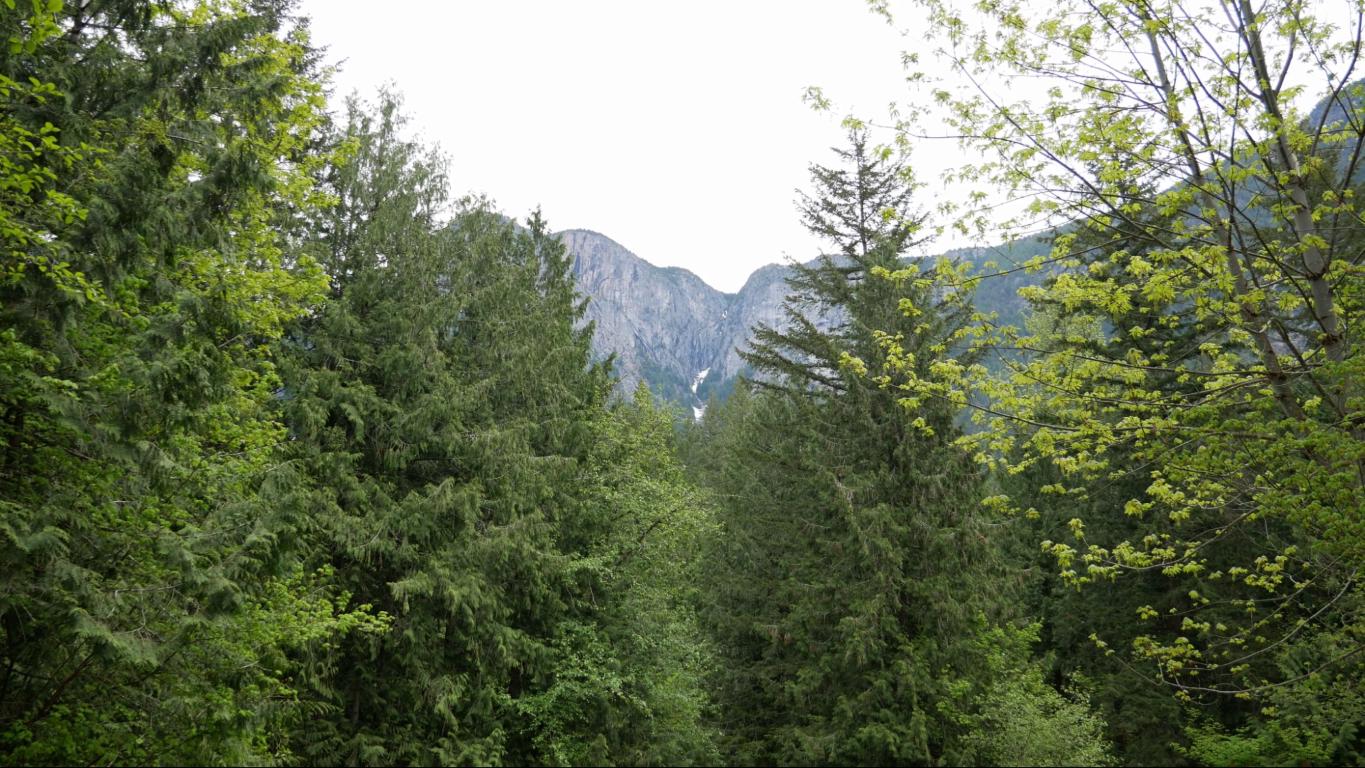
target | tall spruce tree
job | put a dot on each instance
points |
(850, 560)
(855, 596)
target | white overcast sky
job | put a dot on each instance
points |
(676, 129)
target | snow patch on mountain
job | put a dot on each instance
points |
(699, 378)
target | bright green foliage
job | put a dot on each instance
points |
(1143, 720)
(1020, 719)
(1315, 722)
(628, 683)
(1195, 388)
(1145, 723)
(148, 156)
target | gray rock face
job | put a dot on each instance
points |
(679, 336)
(758, 302)
(665, 325)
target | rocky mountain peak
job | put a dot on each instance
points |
(666, 326)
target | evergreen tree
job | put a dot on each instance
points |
(433, 496)
(851, 574)
(152, 155)
(468, 481)
(629, 666)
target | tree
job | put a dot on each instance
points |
(467, 480)
(628, 684)
(153, 153)
(1208, 343)
(850, 609)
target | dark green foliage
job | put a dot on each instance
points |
(833, 640)
(1000, 273)
(301, 463)
(293, 470)
(442, 466)
(469, 483)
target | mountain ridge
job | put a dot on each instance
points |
(666, 325)
(672, 331)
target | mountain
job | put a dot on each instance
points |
(673, 332)
(681, 337)
(666, 326)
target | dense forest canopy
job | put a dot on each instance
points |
(304, 462)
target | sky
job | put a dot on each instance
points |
(677, 129)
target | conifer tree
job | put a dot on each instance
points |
(153, 153)
(468, 481)
(850, 577)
